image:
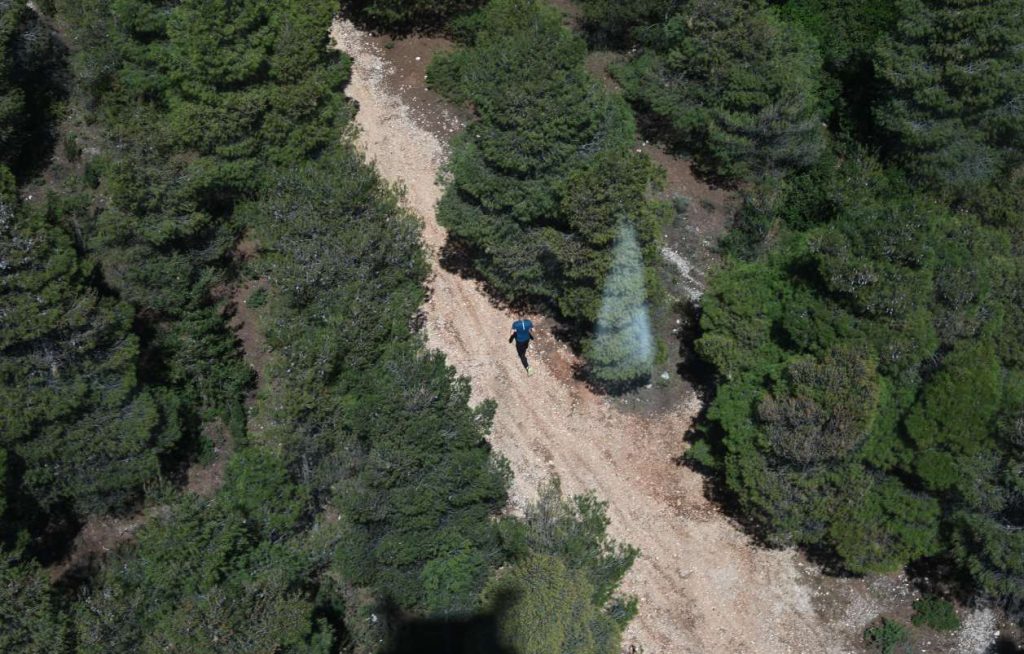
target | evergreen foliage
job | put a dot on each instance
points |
(866, 326)
(733, 84)
(232, 574)
(616, 24)
(196, 100)
(373, 424)
(33, 622)
(551, 610)
(865, 331)
(847, 32)
(77, 426)
(369, 481)
(575, 530)
(936, 613)
(887, 637)
(542, 181)
(953, 74)
(862, 378)
(559, 593)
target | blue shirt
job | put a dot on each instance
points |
(522, 328)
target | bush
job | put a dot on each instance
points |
(544, 606)
(887, 637)
(72, 150)
(257, 299)
(936, 613)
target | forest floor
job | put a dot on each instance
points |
(703, 585)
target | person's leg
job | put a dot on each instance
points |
(521, 349)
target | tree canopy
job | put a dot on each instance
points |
(543, 180)
(732, 83)
(953, 74)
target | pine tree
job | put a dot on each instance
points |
(735, 85)
(72, 413)
(12, 98)
(539, 116)
(954, 76)
(541, 181)
(408, 15)
(32, 622)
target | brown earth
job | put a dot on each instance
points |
(703, 586)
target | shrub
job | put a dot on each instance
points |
(72, 149)
(887, 637)
(257, 299)
(936, 613)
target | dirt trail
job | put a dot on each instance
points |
(703, 587)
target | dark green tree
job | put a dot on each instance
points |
(844, 352)
(937, 613)
(545, 607)
(575, 530)
(953, 74)
(542, 181)
(847, 32)
(32, 620)
(733, 84)
(822, 410)
(375, 426)
(887, 637)
(989, 526)
(565, 542)
(617, 24)
(231, 574)
(944, 428)
(77, 424)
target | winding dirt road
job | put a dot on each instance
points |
(703, 586)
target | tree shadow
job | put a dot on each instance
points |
(476, 633)
(661, 132)
(51, 530)
(940, 575)
(456, 257)
(1005, 645)
(691, 367)
(424, 24)
(39, 69)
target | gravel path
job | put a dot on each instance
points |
(703, 586)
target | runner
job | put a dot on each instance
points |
(522, 334)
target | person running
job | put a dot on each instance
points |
(522, 334)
